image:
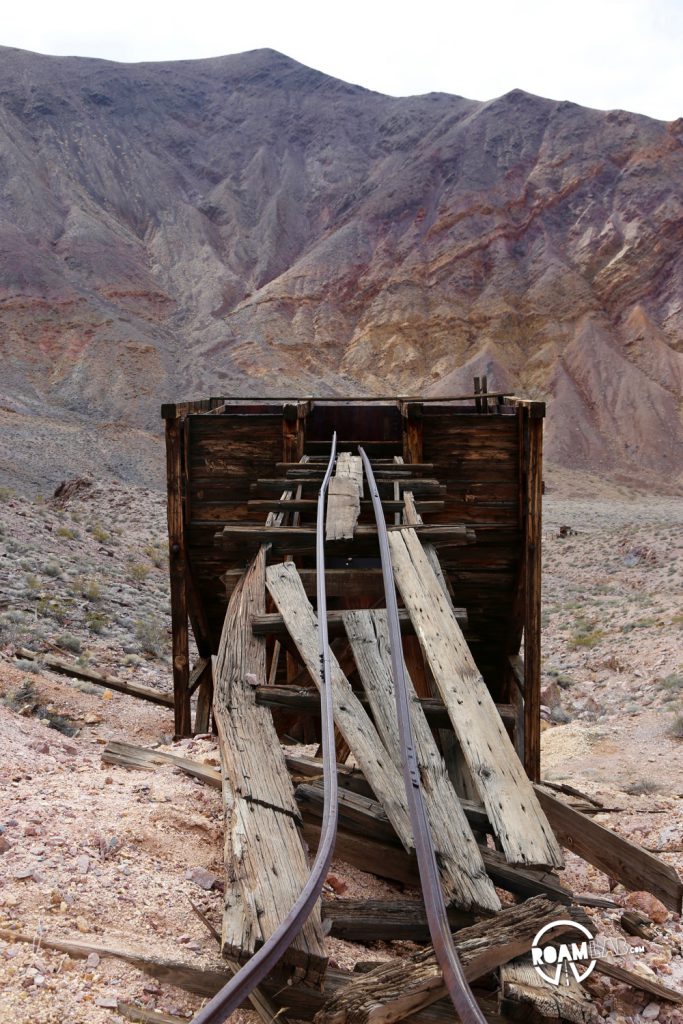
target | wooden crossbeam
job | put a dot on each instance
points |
(273, 624)
(385, 486)
(285, 539)
(507, 793)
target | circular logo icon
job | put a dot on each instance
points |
(553, 960)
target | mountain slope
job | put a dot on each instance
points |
(248, 224)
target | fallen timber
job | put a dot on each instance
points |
(480, 468)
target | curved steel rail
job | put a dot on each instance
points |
(437, 918)
(238, 989)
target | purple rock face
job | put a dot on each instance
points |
(246, 224)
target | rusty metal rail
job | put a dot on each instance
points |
(437, 916)
(238, 989)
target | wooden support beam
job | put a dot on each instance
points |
(289, 539)
(462, 871)
(350, 717)
(274, 624)
(512, 806)
(311, 504)
(620, 858)
(177, 561)
(71, 668)
(384, 920)
(532, 600)
(265, 861)
(293, 698)
(385, 486)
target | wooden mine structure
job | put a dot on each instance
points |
(473, 461)
(456, 490)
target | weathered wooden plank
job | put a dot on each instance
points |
(274, 624)
(461, 868)
(307, 702)
(265, 861)
(620, 858)
(367, 920)
(512, 806)
(393, 990)
(71, 668)
(302, 538)
(224, 512)
(385, 487)
(534, 1000)
(350, 717)
(343, 508)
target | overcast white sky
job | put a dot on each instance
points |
(601, 53)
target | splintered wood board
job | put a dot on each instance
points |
(350, 717)
(462, 870)
(521, 986)
(397, 989)
(265, 861)
(343, 498)
(507, 793)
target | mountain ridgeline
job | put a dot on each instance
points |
(248, 225)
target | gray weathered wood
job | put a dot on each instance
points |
(343, 509)
(512, 806)
(620, 858)
(462, 871)
(266, 865)
(350, 717)
(521, 985)
(398, 988)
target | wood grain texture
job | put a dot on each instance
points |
(398, 988)
(266, 866)
(630, 864)
(350, 717)
(461, 868)
(535, 1000)
(508, 796)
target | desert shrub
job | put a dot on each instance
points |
(6, 493)
(70, 643)
(67, 533)
(32, 583)
(99, 533)
(52, 569)
(96, 622)
(151, 637)
(676, 727)
(87, 588)
(138, 571)
(642, 787)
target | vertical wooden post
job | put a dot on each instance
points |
(532, 592)
(412, 431)
(176, 558)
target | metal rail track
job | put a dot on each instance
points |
(437, 916)
(239, 988)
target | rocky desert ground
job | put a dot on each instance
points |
(102, 855)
